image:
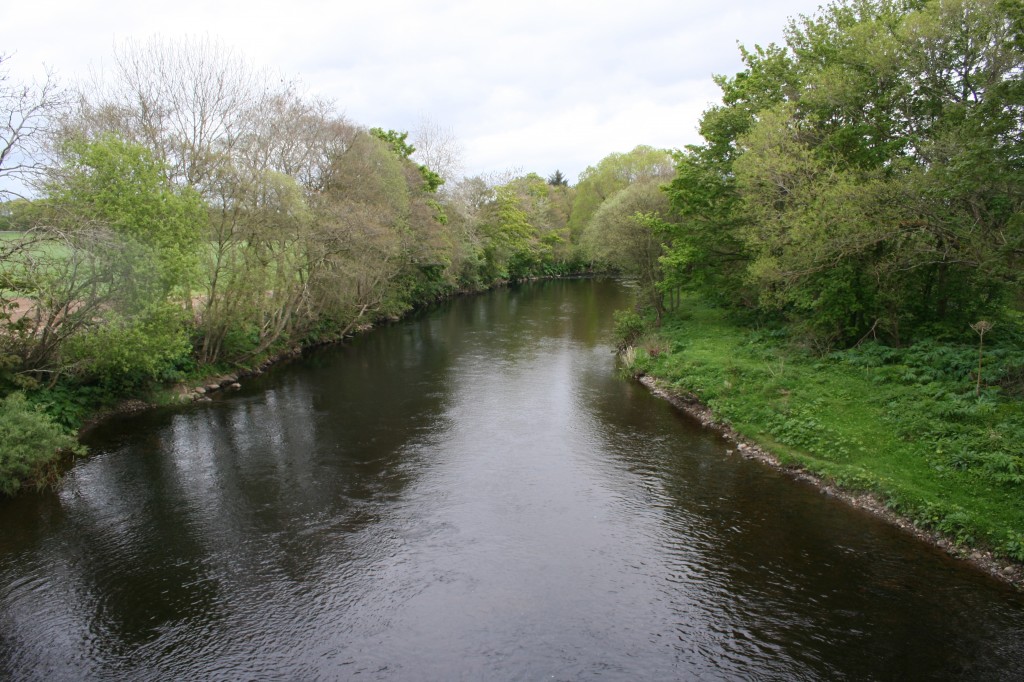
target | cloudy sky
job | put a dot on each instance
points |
(530, 85)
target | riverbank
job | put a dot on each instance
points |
(201, 386)
(851, 428)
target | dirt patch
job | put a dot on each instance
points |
(19, 308)
(1000, 569)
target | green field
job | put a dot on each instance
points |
(905, 424)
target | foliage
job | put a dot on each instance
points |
(524, 229)
(114, 241)
(200, 215)
(613, 173)
(125, 354)
(556, 179)
(396, 142)
(120, 185)
(904, 423)
(630, 326)
(29, 442)
(626, 233)
(863, 178)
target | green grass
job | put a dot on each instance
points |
(905, 424)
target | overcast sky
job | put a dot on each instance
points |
(531, 85)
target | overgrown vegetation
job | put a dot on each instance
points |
(29, 437)
(835, 268)
(864, 179)
(850, 234)
(904, 423)
(194, 215)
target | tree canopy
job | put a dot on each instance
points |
(865, 176)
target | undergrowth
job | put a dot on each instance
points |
(912, 425)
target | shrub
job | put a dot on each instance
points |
(629, 327)
(30, 443)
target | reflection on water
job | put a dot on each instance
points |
(470, 494)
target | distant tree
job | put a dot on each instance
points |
(438, 149)
(627, 232)
(613, 173)
(396, 141)
(557, 179)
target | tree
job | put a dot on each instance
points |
(26, 113)
(120, 185)
(626, 233)
(191, 102)
(556, 179)
(438, 149)
(512, 249)
(114, 240)
(363, 231)
(613, 173)
(865, 176)
(396, 141)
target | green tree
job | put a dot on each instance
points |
(613, 173)
(865, 176)
(396, 141)
(108, 265)
(627, 233)
(147, 261)
(556, 179)
(120, 185)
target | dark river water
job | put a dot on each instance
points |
(471, 494)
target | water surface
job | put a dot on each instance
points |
(473, 493)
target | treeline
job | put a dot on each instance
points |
(837, 265)
(195, 214)
(863, 180)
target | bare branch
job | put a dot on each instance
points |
(27, 111)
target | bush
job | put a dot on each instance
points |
(30, 443)
(629, 327)
(124, 354)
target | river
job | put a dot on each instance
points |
(473, 493)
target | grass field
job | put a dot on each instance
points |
(905, 424)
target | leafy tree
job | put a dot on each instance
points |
(613, 173)
(865, 176)
(120, 185)
(362, 230)
(110, 243)
(396, 141)
(512, 248)
(119, 240)
(627, 233)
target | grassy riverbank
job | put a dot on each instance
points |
(909, 425)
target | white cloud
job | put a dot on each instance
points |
(536, 84)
